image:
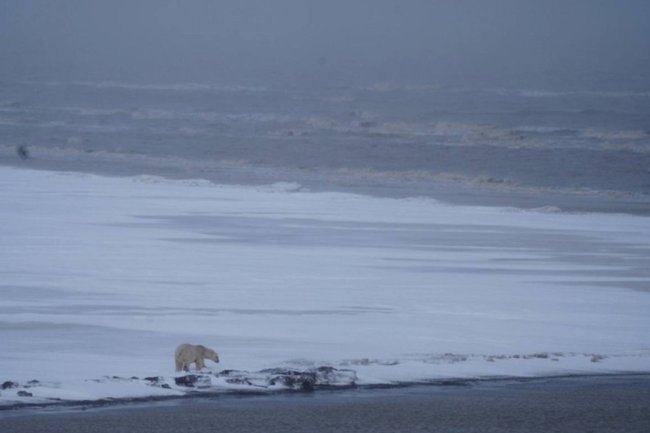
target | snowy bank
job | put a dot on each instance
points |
(103, 277)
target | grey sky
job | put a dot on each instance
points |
(333, 41)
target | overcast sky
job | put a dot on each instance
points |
(328, 41)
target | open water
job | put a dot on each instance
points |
(591, 404)
(513, 144)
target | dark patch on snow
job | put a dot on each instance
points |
(22, 152)
(330, 376)
(368, 361)
(550, 356)
(158, 381)
(297, 380)
(193, 381)
(188, 380)
(445, 358)
(24, 394)
(235, 377)
(9, 384)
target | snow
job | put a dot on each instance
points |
(101, 278)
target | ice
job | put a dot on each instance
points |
(101, 278)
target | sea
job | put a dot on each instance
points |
(562, 148)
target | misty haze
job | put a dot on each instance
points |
(328, 194)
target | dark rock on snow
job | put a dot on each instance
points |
(193, 380)
(9, 384)
(22, 152)
(298, 380)
(235, 377)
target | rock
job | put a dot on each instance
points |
(25, 394)
(193, 380)
(236, 377)
(188, 380)
(22, 152)
(298, 380)
(157, 381)
(239, 381)
(9, 384)
(229, 373)
(330, 376)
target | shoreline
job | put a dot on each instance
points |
(449, 189)
(603, 404)
(72, 406)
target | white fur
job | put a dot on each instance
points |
(186, 354)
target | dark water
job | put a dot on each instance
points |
(511, 143)
(605, 404)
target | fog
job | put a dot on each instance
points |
(331, 43)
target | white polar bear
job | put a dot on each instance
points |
(187, 354)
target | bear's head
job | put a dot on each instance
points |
(210, 354)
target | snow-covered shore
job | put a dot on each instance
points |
(103, 277)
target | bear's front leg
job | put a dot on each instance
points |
(200, 364)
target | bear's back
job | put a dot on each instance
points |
(186, 349)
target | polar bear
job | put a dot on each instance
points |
(187, 354)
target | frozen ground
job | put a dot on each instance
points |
(102, 277)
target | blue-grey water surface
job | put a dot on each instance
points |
(512, 144)
(592, 404)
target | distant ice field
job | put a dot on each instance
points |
(102, 277)
(525, 147)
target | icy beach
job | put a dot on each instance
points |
(102, 277)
